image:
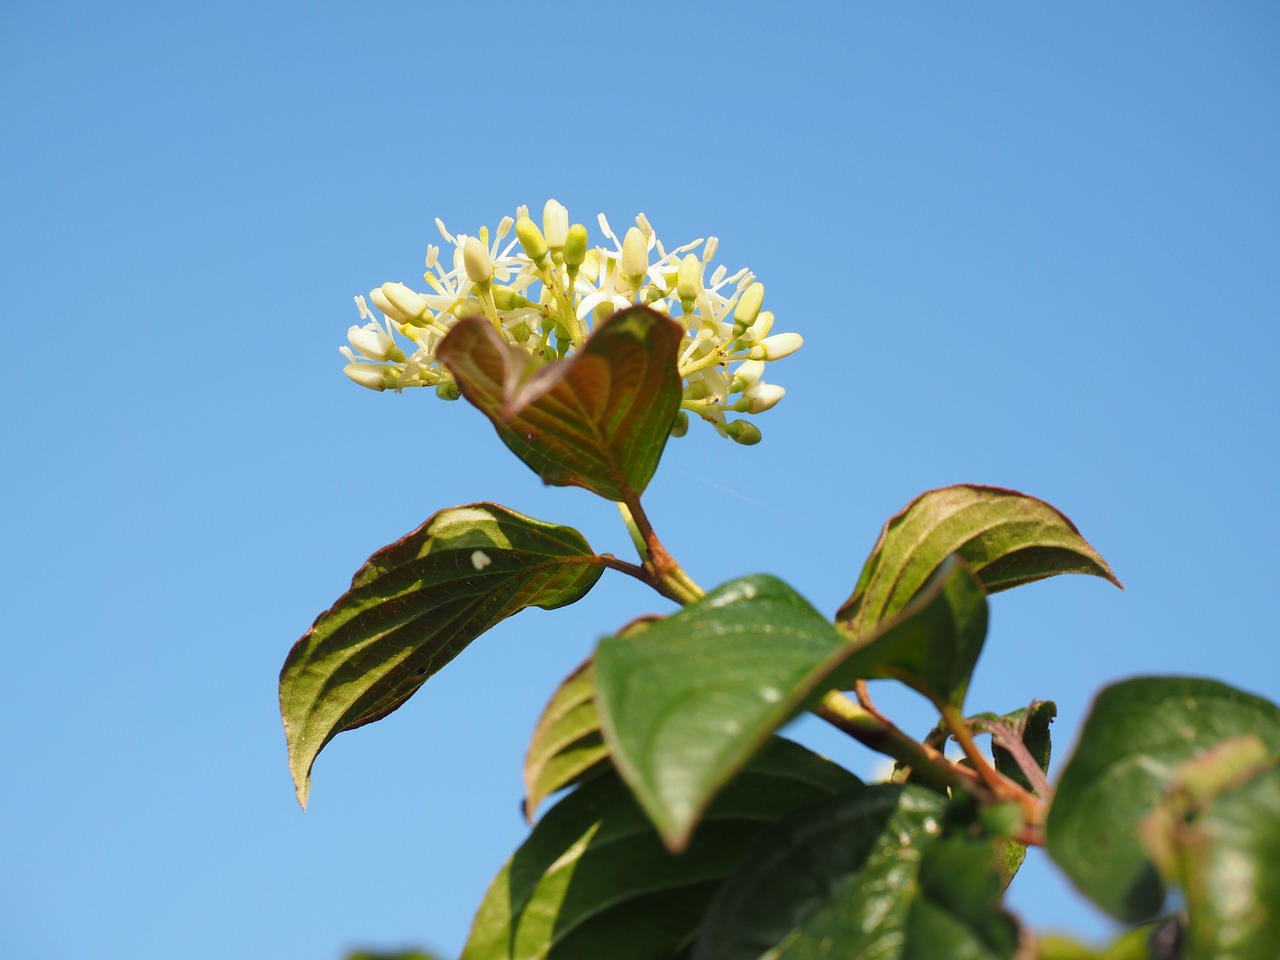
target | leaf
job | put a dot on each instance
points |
(1216, 833)
(1030, 725)
(1135, 944)
(1006, 537)
(935, 650)
(685, 703)
(413, 607)
(1231, 874)
(598, 420)
(593, 879)
(867, 874)
(1136, 734)
(567, 742)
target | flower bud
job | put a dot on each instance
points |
(635, 255)
(748, 372)
(371, 375)
(504, 298)
(758, 330)
(748, 306)
(532, 240)
(448, 391)
(762, 397)
(689, 279)
(555, 223)
(575, 245)
(747, 434)
(475, 258)
(401, 304)
(374, 343)
(776, 347)
(681, 424)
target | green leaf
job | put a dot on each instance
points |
(935, 649)
(1135, 736)
(598, 420)
(1231, 874)
(413, 607)
(1134, 944)
(593, 879)
(868, 874)
(1006, 537)
(567, 742)
(1216, 833)
(1030, 725)
(686, 702)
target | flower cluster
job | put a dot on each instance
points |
(546, 288)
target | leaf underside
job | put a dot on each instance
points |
(566, 743)
(413, 607)
(597, 420)
(1006, 537)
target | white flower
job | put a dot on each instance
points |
(546, 290)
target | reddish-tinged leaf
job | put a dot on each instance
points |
(1006, 537)
(597, 420)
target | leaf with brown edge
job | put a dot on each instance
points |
(1006, 537)
(413, 607)
(597, 420)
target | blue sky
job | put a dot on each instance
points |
(1029, 246)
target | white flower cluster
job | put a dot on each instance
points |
(545, 289)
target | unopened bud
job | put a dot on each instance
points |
(401, 304)
(760, 329)
(371, 375)
(776, 347)
(555, 223)
(746, 375)
(749, 306)
(448, 391)
(532, 240)
(475, 258)
(747, 434)
(680, 426)
(372, 341)
(689, 279)
(635, 254)
(575, 245)
(504, 298)
(762, 397)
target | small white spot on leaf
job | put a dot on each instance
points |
(480, 559)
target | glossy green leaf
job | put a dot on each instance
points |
(567, 742)
(413, 607)
(868, 874)
(597, 420)
(934, 650)
(1136, 734)
(686, 703)
(593, 879)
(1006, 537)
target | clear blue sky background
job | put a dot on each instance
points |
(1031, 246)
